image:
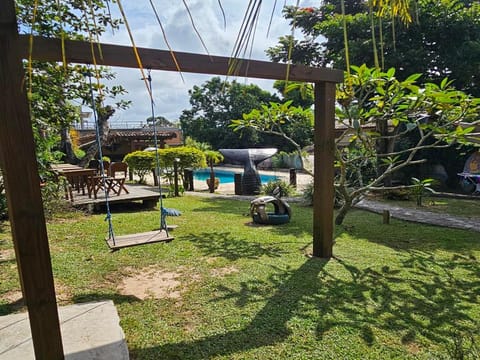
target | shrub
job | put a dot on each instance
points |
(307, 196)
(140, 163)
(284, 188)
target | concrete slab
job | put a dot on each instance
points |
(89, 331)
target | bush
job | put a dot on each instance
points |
(140, 163)
(307, 196)
(284, 188)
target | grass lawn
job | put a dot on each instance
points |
(226, 289)
(467, 208)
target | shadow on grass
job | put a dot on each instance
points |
(227, 245)
(300, 224)
(268, 327)
(405, 236)
(423, 300)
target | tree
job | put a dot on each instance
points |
(443, 39)
(212, 157)
(214, 105)
(160, 121)
(437, 115)
(52, 87)
(291, 123)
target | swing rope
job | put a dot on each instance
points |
(163, 212)
(108, 218)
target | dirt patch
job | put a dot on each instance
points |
(224, 271)
(152, 283)
(13, 296)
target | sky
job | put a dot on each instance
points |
(169, 90)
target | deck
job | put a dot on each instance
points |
(148, 195)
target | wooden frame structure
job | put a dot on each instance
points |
(18, 160)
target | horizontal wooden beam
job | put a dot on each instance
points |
(49, 49)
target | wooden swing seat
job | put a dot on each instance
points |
(150, 237)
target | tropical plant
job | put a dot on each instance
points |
(278, 188)
(213, 158)
(419, 187)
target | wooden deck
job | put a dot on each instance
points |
(148, 195)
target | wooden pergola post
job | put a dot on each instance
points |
(324, 154)
(22, 183)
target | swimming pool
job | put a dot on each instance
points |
(226, 176)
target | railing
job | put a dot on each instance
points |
(90, 125)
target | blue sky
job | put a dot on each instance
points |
(170, 92)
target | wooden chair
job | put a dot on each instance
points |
(117, 175)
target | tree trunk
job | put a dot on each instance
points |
(103, 128)
(382, 147)
(66, 146)
(343, 212)
(211, 185)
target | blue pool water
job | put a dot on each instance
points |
(227, 177)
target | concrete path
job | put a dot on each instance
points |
(89, 331)
(420, 216)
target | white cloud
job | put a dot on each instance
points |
(170, 92)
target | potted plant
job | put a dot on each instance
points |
(213, 157)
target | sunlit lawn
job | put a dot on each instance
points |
(393, 291)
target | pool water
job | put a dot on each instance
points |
(226, 176)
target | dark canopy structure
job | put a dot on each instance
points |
(18, 159)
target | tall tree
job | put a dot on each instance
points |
(443, 39)
(214, 105)
(436, 115)
(53, 88)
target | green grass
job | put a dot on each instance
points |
(398, 291)
(467, 208)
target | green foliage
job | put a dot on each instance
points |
(286, 160)
(419, 187)
(278, 188)
(190, 142)
(79, 153)
(214, 105)
(53, 87)
(53, 196)
(307, 193)
(143, 162)
(443, 39)
(185, 157)
(291, 123)
(140, 163)
(213, 157)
